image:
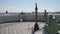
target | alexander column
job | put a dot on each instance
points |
(36, 26)
(36, 13)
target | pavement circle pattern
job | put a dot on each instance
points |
(21, 28)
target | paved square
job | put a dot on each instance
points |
(20, 28)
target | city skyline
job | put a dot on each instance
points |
(29, 5)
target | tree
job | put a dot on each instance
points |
(52, 25)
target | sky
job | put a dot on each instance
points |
(29, 5)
